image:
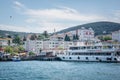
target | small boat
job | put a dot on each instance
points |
(16, 58)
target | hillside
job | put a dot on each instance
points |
(5, 33)
(98, 27)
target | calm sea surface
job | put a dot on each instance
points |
(55, 70)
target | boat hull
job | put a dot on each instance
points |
(89, 58)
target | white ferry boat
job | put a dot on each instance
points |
(91, 53)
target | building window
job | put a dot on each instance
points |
(78, 57)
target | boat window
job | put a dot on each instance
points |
(74, 48)
(63, 57)
(78, 57)
(95, 47)
(115, 59)
(108, 58)
(118, 53)
(97, 58)
(71, 48)
(108, 53)
(70, 58)
(86, 57)
(110, 47)
(83, 47)
(88, 47)
(78, 53)
(98, 53)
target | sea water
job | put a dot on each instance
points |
(59, 70)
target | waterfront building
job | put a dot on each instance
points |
(5, 42)
(47, 46)
(56, 42)
(116, 35)
(33, 46)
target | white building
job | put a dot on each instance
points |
(57, 43)
(5, 41)
(49, 45)
(33, 46)
(83, 34)
(116, 35)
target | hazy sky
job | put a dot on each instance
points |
(40, 15)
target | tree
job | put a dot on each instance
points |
(31, 53)
(15, 49)
(67, 38)
(8, 49)
(41, 37)
(9, 36)
(17, 40)
(77, 37)
(104, 38)
(24, 39)
(107, 38)
(33, 37)
(74, 37)
(45, 33)
(21, 49)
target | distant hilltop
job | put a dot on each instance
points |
(100, 28)
(5, 33)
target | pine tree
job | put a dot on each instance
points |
(45, 33)
(24, 39)
(77, 37)
(74, 37)
(67, 38)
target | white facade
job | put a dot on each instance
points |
(49, 45)
(83, 34)
(34, 46)
(5, 41)
(116, 35)
(56, 42)
(54, 45)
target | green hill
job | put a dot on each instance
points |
(4, 33)
(98, 27)
(103, 27)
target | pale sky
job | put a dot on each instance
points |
(39, 15)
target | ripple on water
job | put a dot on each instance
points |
(55, 70)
